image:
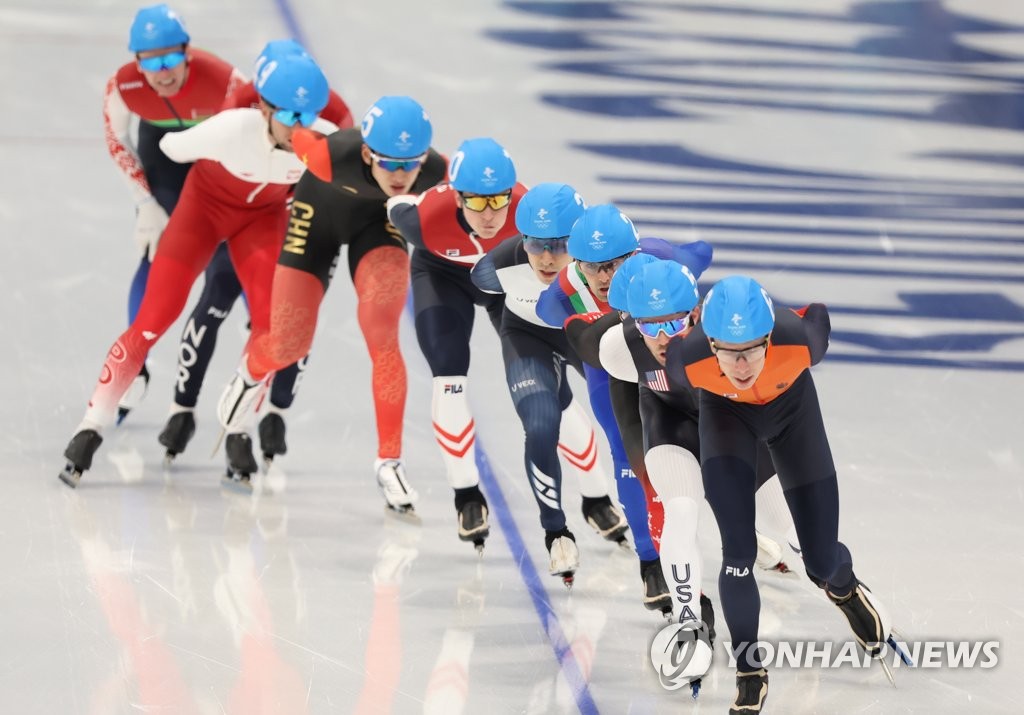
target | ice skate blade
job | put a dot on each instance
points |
(479, 546)
(71, 475)
(122, 412)
(695, 688)
(406, 514)
(219, 442)
(887, 671)
(568, 579)
(242, 484)
(623, 543)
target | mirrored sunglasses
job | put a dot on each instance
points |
(289, 118)
(479, 203)
(161, 62)
(391, 165)
(537, 246)
(671, 328)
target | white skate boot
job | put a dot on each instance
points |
(240, 399)
(565, 556)
(394, 485)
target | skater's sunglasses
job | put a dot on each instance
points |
(537, 246)
(290, 118)
(161, 62)
(671, 328)
(751, 354)
(391, 165)
(479, 203)
(595, 269)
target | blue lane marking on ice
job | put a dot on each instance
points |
(290, 19)
(534, 586)
(528, 572)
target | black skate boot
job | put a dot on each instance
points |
(751, 692)
(608, 522)
(176, 434)
(656, 593)
(79, 454)
(868, 619)
(272, 437)
(471, 508)
(565, 557)
(241, 463)
(707, 614)
(136, 391)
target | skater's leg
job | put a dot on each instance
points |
(444, 322)
(534, 389)
(728, 459)
(625, 401)
(199, 337)
(177, 264)
(381, 280)
(631, 493)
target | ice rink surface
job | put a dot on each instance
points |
(868, 155)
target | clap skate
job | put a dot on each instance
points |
(769, 556)
(240, 398)
(751, 692)
(869, 620)
(682, 653)
(471, 509)
(565, 557)
(394, 485)
(656, 593)
(272, 441)
(79, 454)
(608, 522)
(707, 614)
(241, 462)
(136, 391)
(177, 433)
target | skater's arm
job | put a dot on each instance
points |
(403, 213)
(485, 276)
(615, 356)
(116, 125)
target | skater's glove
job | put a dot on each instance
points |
(150, 221)
(584, 317)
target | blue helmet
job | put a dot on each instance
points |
(620, 281)
(156, 27)
(397, 127)
(601, 234)
(275, 50)
(737, 310)
(548, 211)
(482, 166)
(662, 288)
(293, 82)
